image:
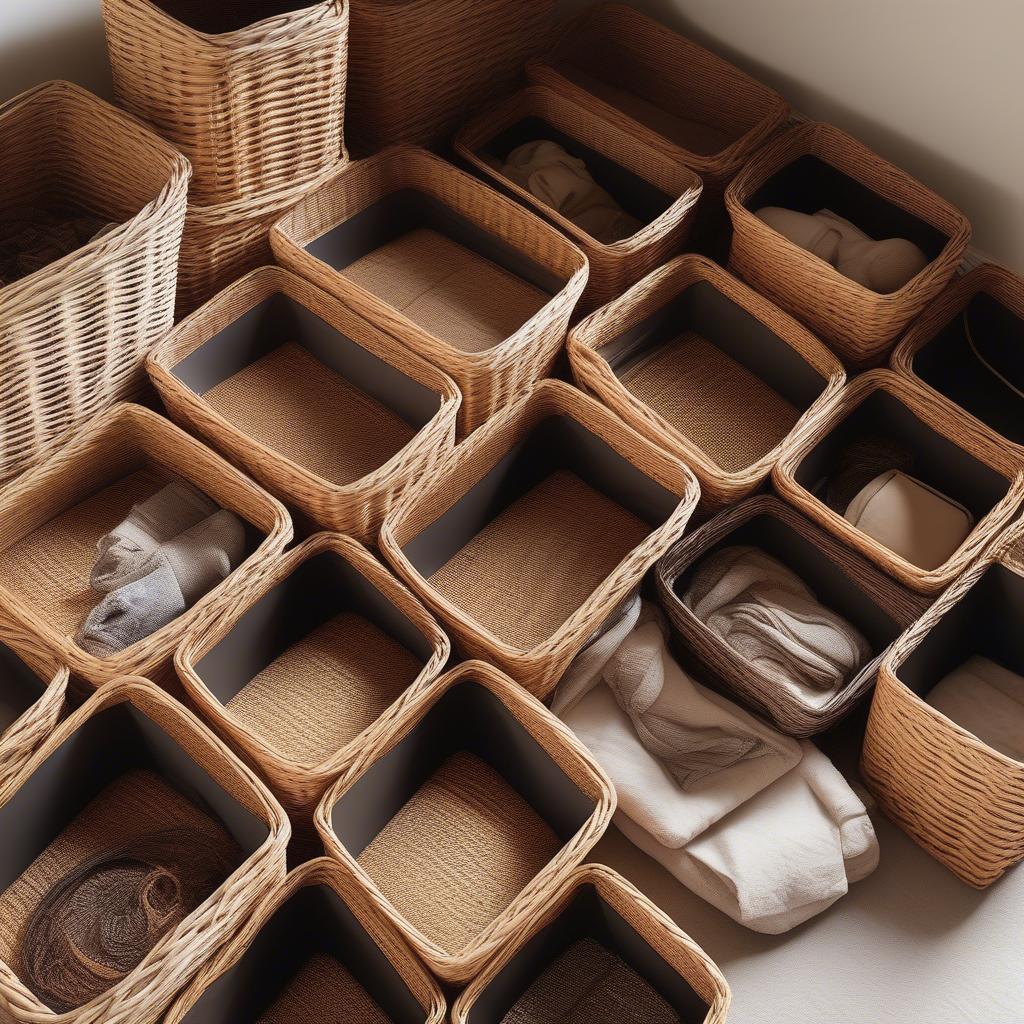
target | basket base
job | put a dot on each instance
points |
(323, 990)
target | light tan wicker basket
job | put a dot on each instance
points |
(75, 333)
(325, 410)
(462, 817)
(53, 515)
(253, 94)
(597, 903)
(815, 166)
(960, 460)
(708, 370)
(659, 192)
(322, 655)
(535, 530)
(464, 277)
(130, 762)
(959, 799)
(320, 935)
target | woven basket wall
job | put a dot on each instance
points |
(418, 67)
(147, 990)
(490, 378)
(357, 507)
(53, 515)
(568, 754)
(539, 665)
(650, 923)
(255, 99)
(75, 333)
(860, 324)
(594, 374)
(613, 267)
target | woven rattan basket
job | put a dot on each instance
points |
(252, 93)
(328, 650)
(74, 334)
(131, 762)
(464, 277)
(960, 799)
(535, 530)
(417, 67)
(462, 816)
(816, 166)
(328, 412)
(950, 454)
(707, 369)
(53, 515)
(841, 579)
(650, 186)
(662, 89)
(597, 906)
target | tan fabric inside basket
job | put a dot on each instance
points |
(324, 690)
(450, 291)
(458, 853)
(530, 568)
(295, 405)
(324, 992)
(711, 399)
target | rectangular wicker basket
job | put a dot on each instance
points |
(659, 192)
(52, 516)
(129, 763)
(816, 166)
(708, 370)
(75, 333)
(462, 817)
(321, 407)
(536, 529)
(464, 277)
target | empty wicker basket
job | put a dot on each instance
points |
(327, 411)
(53, 515)
(843, 580)
(75, 332)
(707, 369)
(253, 94)
(129, 764)
(325, 652)
(598, 938)
(537, 528)
(817, 166)
(316, 942)
(948, 454)
(657, 191)
(464, 277)
(463, 816)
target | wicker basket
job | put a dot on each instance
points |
(959, 460)
(962, 801)
(597, 904)
(464, 277)
(316, 941)
(462, 817)
(327, 651)
(53, 515)
(253, 94)
(663, 89)
(705, 368)
(130, 762)
(419, 66)
(816, 166)
(842, 579)
(75, 333)
(328, 412)
(659, 192)
(536, 529)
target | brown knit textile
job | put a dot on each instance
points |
(324, 992)
(32, 237)
(530, 568)
(860, 462)
(458, 853)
